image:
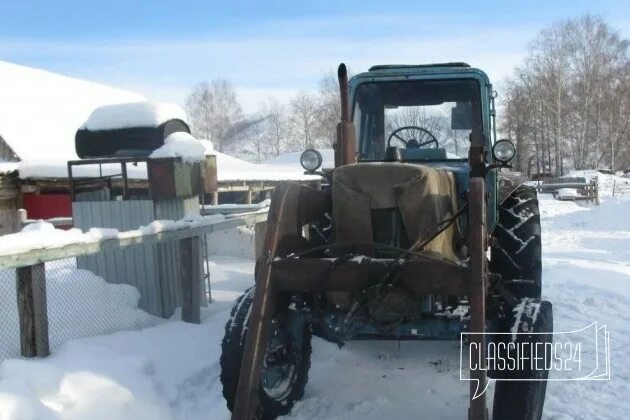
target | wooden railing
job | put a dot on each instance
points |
(31, 274)
(587, 190)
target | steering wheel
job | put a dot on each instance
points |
(413, 143)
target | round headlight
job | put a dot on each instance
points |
(503, 151)
(311, 160)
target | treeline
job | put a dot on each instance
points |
(308, 120)
(568, 105)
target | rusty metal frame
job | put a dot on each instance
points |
(424, 277)
(283, 220)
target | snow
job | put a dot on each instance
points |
(567, 193)
(133, 114)
(184, 146)
(604, 181)
(8, 167)
(229, 168)
(41, 234)
(80, 304)
(292, 159)
(171, 371)
(41, 111)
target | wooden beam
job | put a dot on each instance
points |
(124, 240)
(32, 310)
(190, 279)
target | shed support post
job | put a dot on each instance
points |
(190, 279)
(32, 310)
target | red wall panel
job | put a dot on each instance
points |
(47, 206)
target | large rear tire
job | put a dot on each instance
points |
(516, 399)
(286, 365)
(516, 253)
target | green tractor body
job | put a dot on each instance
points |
(417, 235)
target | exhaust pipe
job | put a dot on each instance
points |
(345, 147)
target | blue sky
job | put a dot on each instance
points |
(162, 48)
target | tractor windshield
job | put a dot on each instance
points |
(426, 119)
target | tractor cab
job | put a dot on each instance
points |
(419, 113)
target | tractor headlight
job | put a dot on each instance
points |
(311, 160)
(503, 151)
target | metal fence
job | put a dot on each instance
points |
(46, 300)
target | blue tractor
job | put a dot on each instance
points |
(419, 233)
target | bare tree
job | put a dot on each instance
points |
(568, 103)
(212, 111)
(276, 126)
(329, 109)
(304, 112)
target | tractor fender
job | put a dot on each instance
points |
(508, 182)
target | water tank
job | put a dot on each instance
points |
(130, 129)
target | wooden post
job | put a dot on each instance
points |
(190, 279)
(22, 217)
(215, 198)
(32, 311)
(260, 230)
(248, 196)
(478, 283)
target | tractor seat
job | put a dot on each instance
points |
(397, 203)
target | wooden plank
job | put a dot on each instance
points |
(125, 239)
(32, 310)
(189, 275)
(478, 247)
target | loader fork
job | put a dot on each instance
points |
(292, 206)
(478, 274)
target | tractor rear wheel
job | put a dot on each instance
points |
(520, 395)
(285, 367)
(516, 253)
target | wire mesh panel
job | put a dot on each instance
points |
(79, 304)
(9, 321)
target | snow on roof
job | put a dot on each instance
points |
(229, 169)
(182, 145)
(8, 167)
(133, 114)
(41, 111)
(293, 159)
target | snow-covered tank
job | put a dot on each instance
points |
(128, 129)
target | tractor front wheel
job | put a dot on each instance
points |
(516, 252)
(285, 366)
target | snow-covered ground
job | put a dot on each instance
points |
(171, 371)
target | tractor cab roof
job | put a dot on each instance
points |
(416, 66)
(388, 72)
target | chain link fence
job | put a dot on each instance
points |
(80, 303)
(131, 282)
